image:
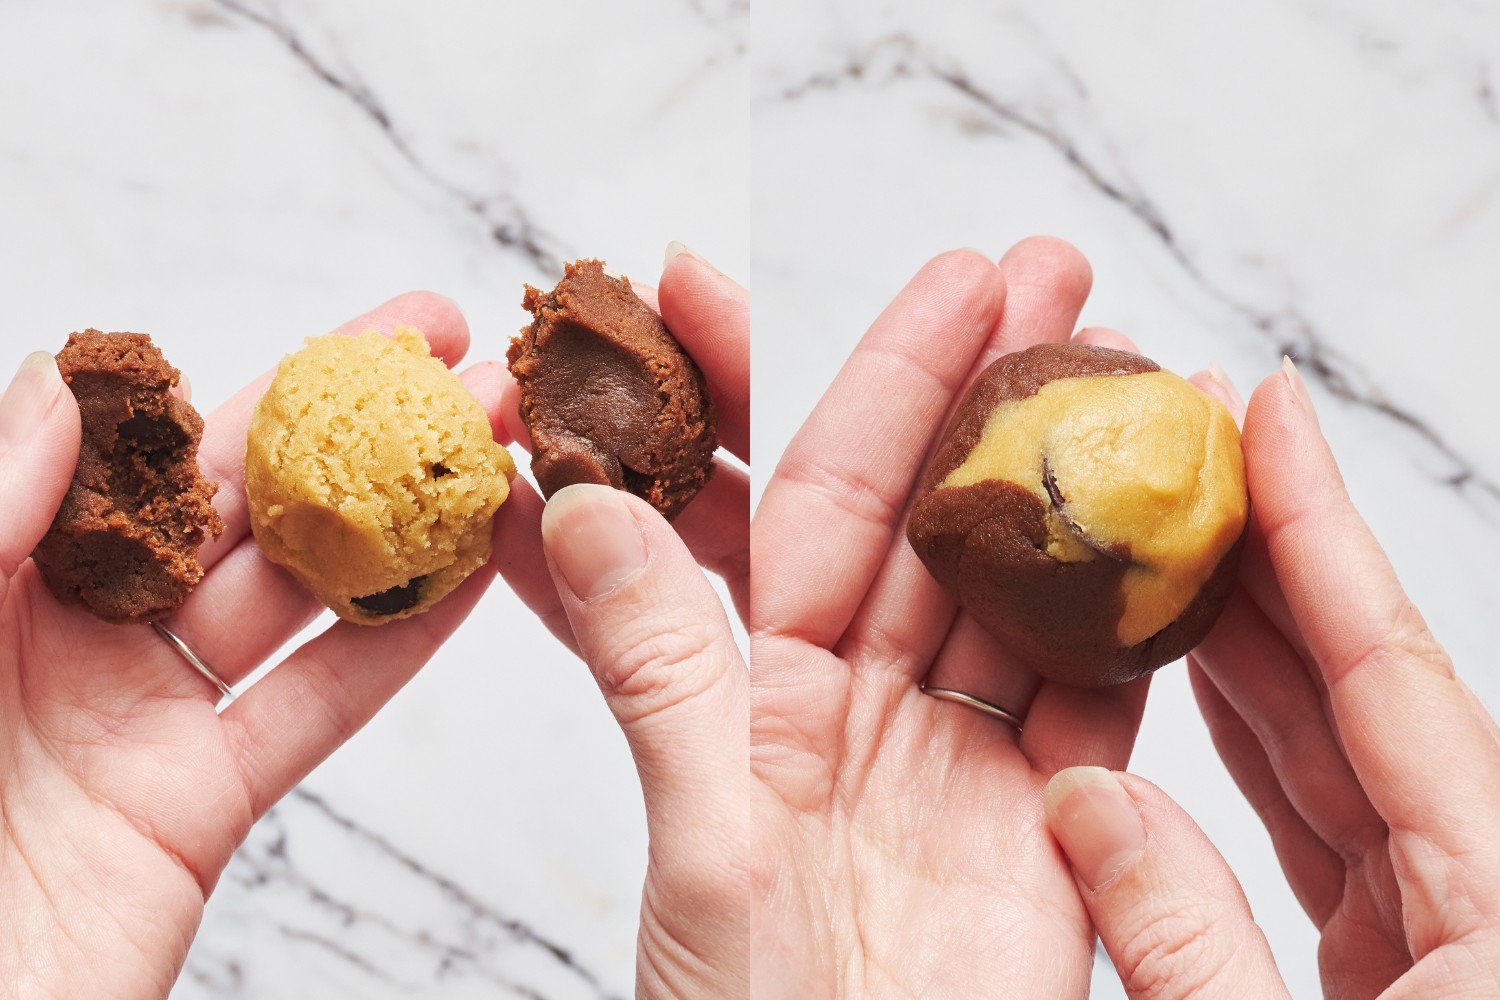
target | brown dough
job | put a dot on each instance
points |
(125, 541)
(608, 395)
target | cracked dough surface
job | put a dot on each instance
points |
(372, 475)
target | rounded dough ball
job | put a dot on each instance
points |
(1088, 509)
(372, 475)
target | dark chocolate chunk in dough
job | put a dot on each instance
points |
(608, 395)
(392, 601)
(125, 541)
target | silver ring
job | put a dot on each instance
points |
(194, 660)
(992, 710)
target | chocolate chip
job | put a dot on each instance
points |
(439, 470)
(393, 601)
(1119, 553)
(1054, 492)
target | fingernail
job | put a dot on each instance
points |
(1299, 388)
(1095, 821)
(593, 539)
(28, 398)
(674, 250)
(184, 389)
(1220, 376)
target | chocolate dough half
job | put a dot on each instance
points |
(608, 395)
(125, 541)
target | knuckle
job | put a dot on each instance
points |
(1177, 953)
(655, 667)
(848, 489)
(1406, 641)
(1412, 639)
(702, 881)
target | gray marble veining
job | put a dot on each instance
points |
(234, 175)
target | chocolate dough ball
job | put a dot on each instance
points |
(1088, 510)
(609, 396)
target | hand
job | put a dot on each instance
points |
(902, 848)
(617, 584)
(1373, 767)
(122, 792)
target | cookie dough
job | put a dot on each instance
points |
(125, 541)
(608, 395)
(372, 475)
(1087, 509)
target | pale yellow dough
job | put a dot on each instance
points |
(369, 467)
(1145, 461)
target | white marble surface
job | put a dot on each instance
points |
(1306, 175)
(234, 175)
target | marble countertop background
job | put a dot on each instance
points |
(1315, 177)
(235, 175)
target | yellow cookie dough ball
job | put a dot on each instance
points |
(372, 475)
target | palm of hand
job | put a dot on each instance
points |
(123, 801)
(934, 808)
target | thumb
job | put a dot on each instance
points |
(655, 635)
(39, 432)
(1168, 909)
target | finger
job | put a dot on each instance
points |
(1103, 336)
(646, 293)
(1168, 909)
(826, 519)
(324, 693)
(39, 441)
(510, 412)
(972, 661)
(516, 541)
(1314, 872)
(1256, 572)
(716, 529)
(709, 314)
(1216, 383)
(249, 607)
(522, 564)
(1374, 651)
(1070, 726)
(221, 455)
(1357, 905)
(1267, 684)
(655, 637)
(906, 616)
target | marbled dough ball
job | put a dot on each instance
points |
(1088, 510)
(373, 476)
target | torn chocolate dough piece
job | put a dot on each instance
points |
(608, 395)
(125, 541)
(1087, 509)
